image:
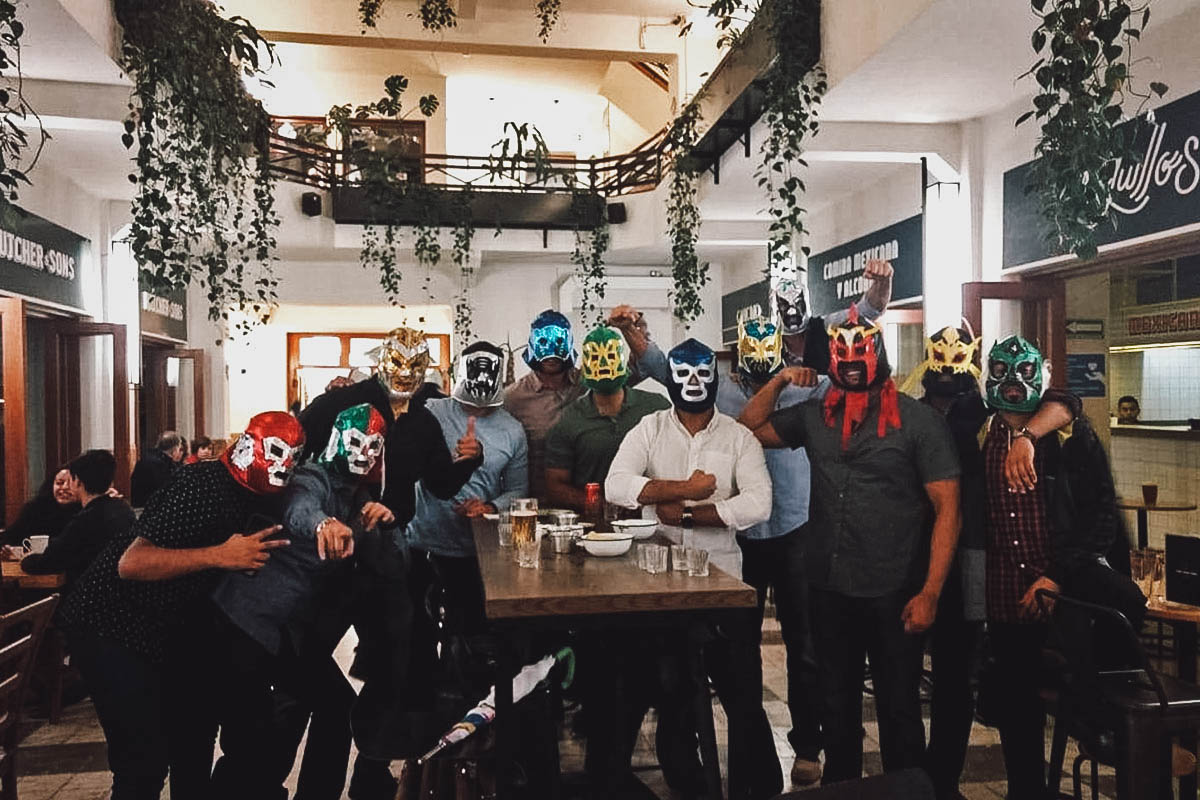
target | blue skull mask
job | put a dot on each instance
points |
(693, 383)
(550, 337)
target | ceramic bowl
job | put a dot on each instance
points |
(638, 528)
(606, 544)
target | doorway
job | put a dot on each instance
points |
(173, 392)
(1037, 308)
(13, 477)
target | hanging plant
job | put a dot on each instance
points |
(17, 157)
(204, 207)
(683, 217)
(547, 13)
(383, 174)
(588, 257)
(460, 254)
(1083, 78)
(439, 15)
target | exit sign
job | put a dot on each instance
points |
(1085, 328)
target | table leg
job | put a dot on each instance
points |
(1185, 645)
(1143, 523)
(705, 729)
(506, 723)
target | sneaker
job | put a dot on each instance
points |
(805, 772)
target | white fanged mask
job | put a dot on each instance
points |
(362, 450)
(693, 380)
(243, 452)
(280, 458)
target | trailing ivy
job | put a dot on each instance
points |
(460, 254)
(439, 15)
(15, 112)
(683, 217)
(547, 13)
(204, 206)
(1084, 76)
(588, 257)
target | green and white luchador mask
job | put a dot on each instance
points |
(355, 446)
(1014, 375)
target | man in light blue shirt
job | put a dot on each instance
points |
(772, 553)
(439, 535)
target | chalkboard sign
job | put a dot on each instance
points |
(835, 277)
(164, 314)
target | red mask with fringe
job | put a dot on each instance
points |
(858, 365)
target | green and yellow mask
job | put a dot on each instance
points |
(1014, 375)
(605, 366)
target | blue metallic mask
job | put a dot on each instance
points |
(550, 337)
(693, 383)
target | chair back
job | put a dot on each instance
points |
(1095, 642)
(21, 633)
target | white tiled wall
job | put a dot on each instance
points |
(1174, 464)
(1171, 384)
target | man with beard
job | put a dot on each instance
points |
(139, 621)
(772, 551)
(268, 633)
(878, 460)
(382, 602)
(538, 399)
(949, 376)
(706, 478)
(805, 341)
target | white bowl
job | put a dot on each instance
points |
(638, 528)
(606, 544)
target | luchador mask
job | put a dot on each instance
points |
(760, 349)
(857, 360)
(949, 368)
(479, 376)
(262, 458)
(1014, 375)
(402, 358)
(791, 304)
(550, 337)
(693, 384)
(355, 446)
(605, 362)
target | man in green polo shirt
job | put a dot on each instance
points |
(581, 446)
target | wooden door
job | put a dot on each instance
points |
(15, 486)
(162, 400)
(1043, 316)
(67, 345)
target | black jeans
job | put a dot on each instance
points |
(779, 564)
(127, 691)
(954, 645)
(734, 663)
(845, 629)
(1017, 648)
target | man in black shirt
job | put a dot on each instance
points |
(138, 620)
(154, 469)
(84, 537)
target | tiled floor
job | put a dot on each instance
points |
(67, 761)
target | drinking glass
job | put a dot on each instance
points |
(1150, 493)
(529, 553)
(560, 538)
(1157, 567)
(656, 558)
(524, 519)
(679, 559)
(505, 528)
(1137, 571)
(698, 563)
(643, 551)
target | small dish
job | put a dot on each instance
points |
(638, 528)
(492, 517)
(606, 544)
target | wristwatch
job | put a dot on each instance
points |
(685, 519)
(1026, 434)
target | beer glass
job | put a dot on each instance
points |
(524, 519)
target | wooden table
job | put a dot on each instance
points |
(1184, 620)
(1143, 515)
(11, 572)
(571, 591)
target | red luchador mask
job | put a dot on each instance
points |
(263, 457)
(857, 360)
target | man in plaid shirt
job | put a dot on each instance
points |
(1050, 535)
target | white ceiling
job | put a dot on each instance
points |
(94, 159)
(54, 47)
(958, 60)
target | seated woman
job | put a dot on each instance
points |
(202, 450)
(85, 535)
(46, 514)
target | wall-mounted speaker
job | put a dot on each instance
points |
(310, 204)
(617, 213)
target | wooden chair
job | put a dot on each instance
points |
(20, 636)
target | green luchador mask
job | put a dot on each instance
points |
(605, 367)
(1014, 375)
(355, 446)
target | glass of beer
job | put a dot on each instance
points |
(524, 519)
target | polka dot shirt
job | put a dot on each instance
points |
(202, 506)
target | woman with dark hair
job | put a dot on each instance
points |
(202, 450)
(47, 513)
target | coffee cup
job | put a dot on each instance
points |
(36, 544)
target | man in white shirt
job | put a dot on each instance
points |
(706, 477)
